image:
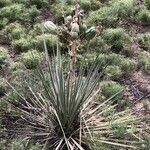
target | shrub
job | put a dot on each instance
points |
(97, 44)
(111, 88)
(120, 131)
(144, 62)
(104, 15)
(3, 56)
(114, 59)
(147, 4)
(114, 72)
(21, 45)
(88, 60)
(123, 8)
(30, 14)
(40, 3)
(95, 5)
(51, 42)
(12, 12)
(17, 69)
(4, 3)
(37, 30)
(85, 4)
(128, 65)
(3, 22)
(17, 34)
(31, 59)
(144, 41)
(3, 86)
(18, 12)
(59, 9)
(115, 37)
(88, 5)
(144, 16)
(15, 31)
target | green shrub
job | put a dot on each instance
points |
(114, 59)
(144, 62)
(120, 130)
(12, 12)
(15, 31)
(59, 9)
(51, 42)
(3, 22)
(3, 56)
(88, 60)
(128, 65)
(31, 14)
(19, 12)
(17, 69)
(123, 8)
(31, 59)
(85, 5)
(115, 37)
(21, 45)
(113, 72)
(95, 5)
(111, 88)
(4, 3)
(40, 3)
(97, 44)
(37, 30)
(88, 5)
(144, 16)
(144, 41)
(147, 4)
(104, 15)
(3, 86)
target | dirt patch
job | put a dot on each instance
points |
(138, 92)
(142, 81)
(137, 86)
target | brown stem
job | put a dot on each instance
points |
(74, 50)
(73, 61)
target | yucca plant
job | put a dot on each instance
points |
(64, 116)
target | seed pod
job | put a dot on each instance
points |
(68, 19)
(51, 27)
(75, 27)
(74, 35)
